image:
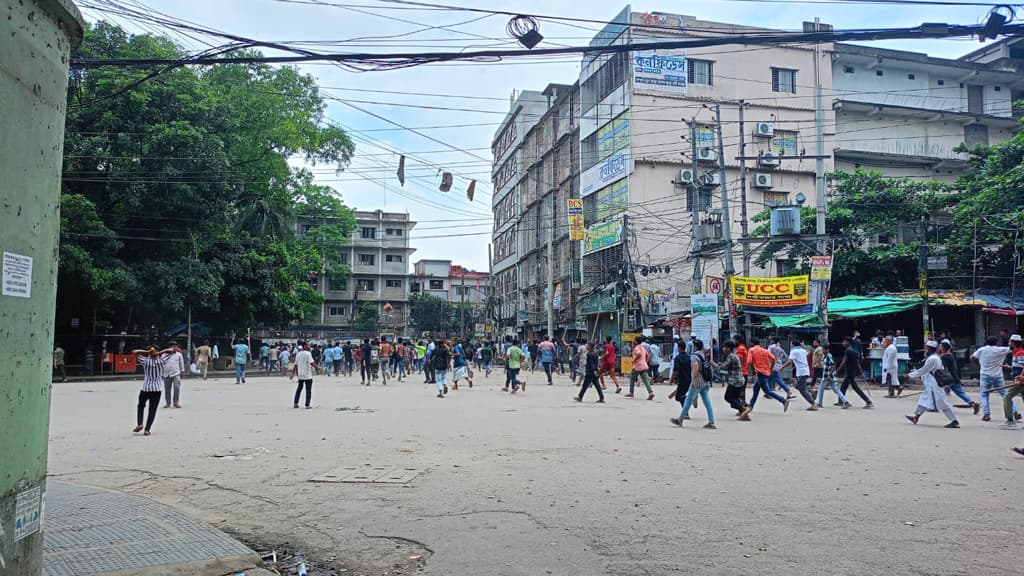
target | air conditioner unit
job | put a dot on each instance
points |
(706, 155)
(685, 177)
(785, 221)
(768, 159)
(764, 129)
(763, 180)
(711, 179)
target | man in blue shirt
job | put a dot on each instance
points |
(460, 368)
(241, 359)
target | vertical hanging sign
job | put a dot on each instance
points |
(576, 226)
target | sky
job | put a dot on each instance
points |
(455, 108)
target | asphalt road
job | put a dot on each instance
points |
(538, 484)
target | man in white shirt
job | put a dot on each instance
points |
(174, 364)
(303, 369)
(801, 370)
(990, 357)
(891, 368)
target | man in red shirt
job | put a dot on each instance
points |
(608, 364)
(741, 351)
(762, 361)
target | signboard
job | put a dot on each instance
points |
(661, 70)
(599, 302)
(27, 512)
(556, 300)
(821, 267)
(604, 173)
(601, 236)
(771, 292)
(17, 275)
(574, 207)
(713, 284)
(938, 263)
(704, 317)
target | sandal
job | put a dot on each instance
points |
(137, 429)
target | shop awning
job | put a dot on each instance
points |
(848, 307)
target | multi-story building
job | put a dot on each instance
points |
(452, 282)
(378, 257)
(906, 113)
(637, 164)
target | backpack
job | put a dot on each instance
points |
(943, 377)
(681, 369)
(705, 368)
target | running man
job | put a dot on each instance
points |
(801, 370)
(590, 376)
(608, 364)
(933, 398)
(546, 351)
(762, 361)
(699, 385)
(640, 369)
(851, 361)
(990, 357)
(441, 361)
(203, 356)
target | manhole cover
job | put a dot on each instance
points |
(369, 474)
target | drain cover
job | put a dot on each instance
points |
(369, 474)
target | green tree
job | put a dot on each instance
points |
(861, 206)
(430, 313)
(366, 319)
(178, 191)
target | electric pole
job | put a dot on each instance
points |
(730, 268)
(922, 269)
(695, 208)
(549, 301)
(819, 176)
(744, 233)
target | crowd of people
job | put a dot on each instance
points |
(693, 369)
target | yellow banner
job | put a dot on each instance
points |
(574, 208)
(770, 292)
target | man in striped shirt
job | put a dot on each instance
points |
(152, 361)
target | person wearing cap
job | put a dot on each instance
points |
(932, 398)
(990, 357)
(891, 367)
(1017, 374)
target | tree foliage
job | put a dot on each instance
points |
(862, 206)
(178, 192)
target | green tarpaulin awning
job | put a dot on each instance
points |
(847, 307)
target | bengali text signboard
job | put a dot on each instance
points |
(601, 236)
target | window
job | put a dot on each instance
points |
(368, 232)
(365, 285)
(366, 260)
(784, 142)
(975, 135)
(783, 80)
(997, 89)
(414, 287)
(610, 76)
(437, 284)
(392, 257)
(879, 73)
(463, 290)
(337, 311)
(941, 82)
(911, 77)
(700, 72)
(847, 69)
(394, 232)
(343, 258)
(392, 283)
(340, 285)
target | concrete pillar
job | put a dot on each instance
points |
(36, 37)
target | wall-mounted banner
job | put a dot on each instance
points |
(821, 267)
(574, 208)
(662, 70)
(704, 317)
(604, 173)
(601, 236)
(770, 292)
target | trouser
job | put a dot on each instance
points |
(547, 370)
(512, 377)
(850, 381)
(309, 391)
(573, 369)
(817, 373)
(736, 396)
(588, 381)
(203, 366)
(172, 383)
(776, 380)
(428, 371)
(653, 369)
(642, 374)
(239, 372)
(508, 376)
(1008, 402)
(988, 382)
(400, 367)
(561, 366)
(801, 386)
(328, 366)
(705, 398)
(154, 400)
(958, 389)
(830, 382)
(892, 380)
(366, 372)
(761, 384)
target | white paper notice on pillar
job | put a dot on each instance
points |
(27, 513)
(704, 317)
(17, 275)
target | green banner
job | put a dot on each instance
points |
(601, 236)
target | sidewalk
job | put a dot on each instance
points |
(97, 532)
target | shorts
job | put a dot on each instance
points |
(606, 369)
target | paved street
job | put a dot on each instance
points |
(537, 484)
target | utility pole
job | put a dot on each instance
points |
(695, 208)
(819, 173)
(730, 268)
(462, 304)
(744, 233)
(548, 301)
(922, 269)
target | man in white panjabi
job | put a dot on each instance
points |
(891, 368)
(933, 398)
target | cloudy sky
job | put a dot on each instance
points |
(455, 108)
